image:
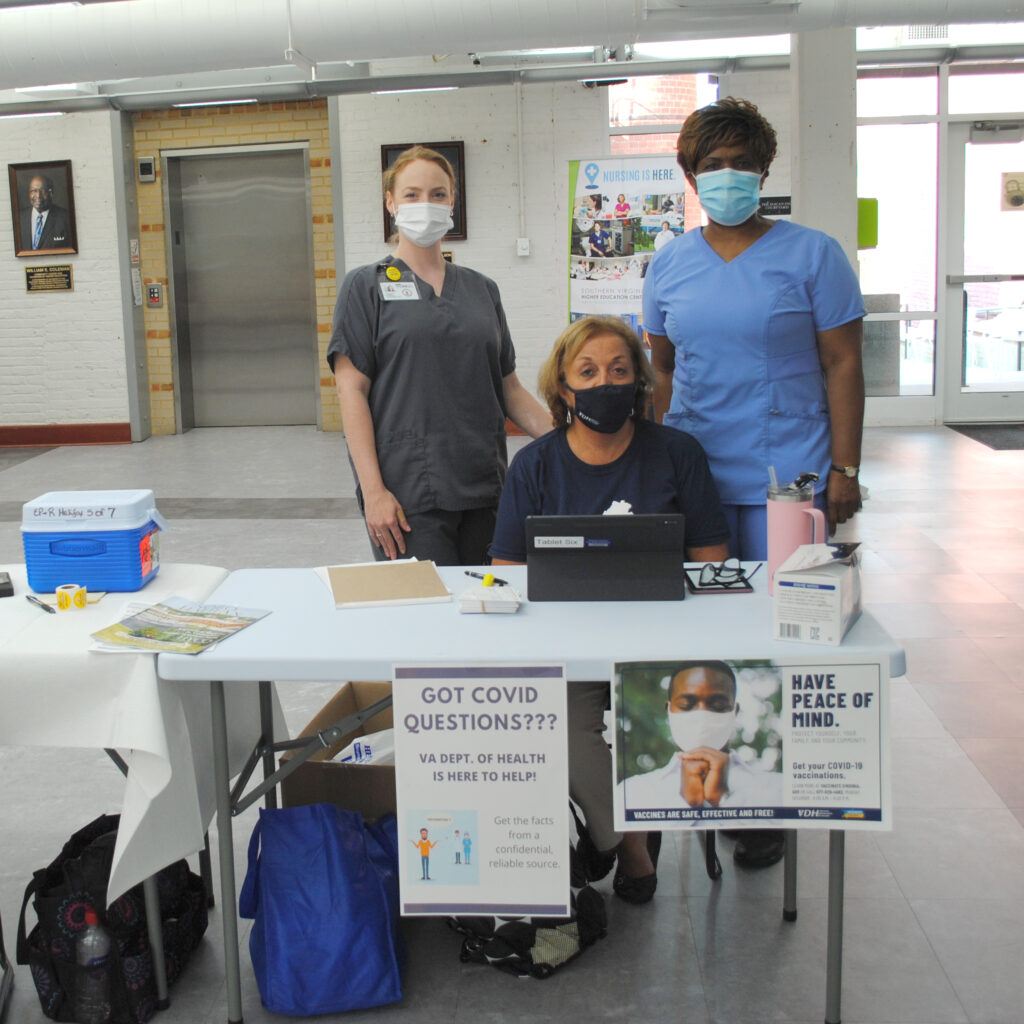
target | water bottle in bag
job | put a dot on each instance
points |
(92, 983)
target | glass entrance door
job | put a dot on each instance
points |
(985, 281)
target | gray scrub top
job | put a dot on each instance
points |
(436, 365)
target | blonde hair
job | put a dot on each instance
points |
(410, 155)
(566, 348)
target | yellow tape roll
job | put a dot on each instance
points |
(70, 596)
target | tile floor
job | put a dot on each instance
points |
(934, 911)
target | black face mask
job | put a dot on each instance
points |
(606, 407)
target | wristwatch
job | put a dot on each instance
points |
(850, 471)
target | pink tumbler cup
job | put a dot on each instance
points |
(792, 520)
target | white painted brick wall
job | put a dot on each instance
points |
(62, 354)
(561, 122)
(771, 92)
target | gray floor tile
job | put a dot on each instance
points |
(969, 854)
(936, 772)
(266, 543)
(1001, 762)
(985, 620)
(912, 620)
(942, 588)
(977, 709)
(909, 714)
(867, 873)
(1007, 652)
(980, 944)
(984, 558)
(950, 660)
(759, 968)
(1011, 584)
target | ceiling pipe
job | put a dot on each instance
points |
(133, 99)
(109, 41)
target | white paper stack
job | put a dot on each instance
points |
(487, 600)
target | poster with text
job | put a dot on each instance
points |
(482, 785)
(623, 209)
(752, 744)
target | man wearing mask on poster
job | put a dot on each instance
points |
(701, 713)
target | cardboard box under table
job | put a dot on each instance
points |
(367, 788)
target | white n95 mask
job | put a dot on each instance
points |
(424, 223)
(691, 729)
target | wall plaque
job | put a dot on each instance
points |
(54, 277)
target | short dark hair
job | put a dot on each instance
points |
(728, 122)
(720, 667)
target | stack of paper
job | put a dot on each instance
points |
(489, 599)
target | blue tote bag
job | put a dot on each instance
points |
(322, 888)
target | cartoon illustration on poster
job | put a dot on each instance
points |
(482, 788)
(706, 742)
(623, 210)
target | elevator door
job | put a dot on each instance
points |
(244, 292)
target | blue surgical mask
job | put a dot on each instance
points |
(729, 197)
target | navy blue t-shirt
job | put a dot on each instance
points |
(663, 470)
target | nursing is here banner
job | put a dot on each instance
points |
(794, 743)
(622, 209)
(482, 781)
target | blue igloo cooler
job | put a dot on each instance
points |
(101, 540)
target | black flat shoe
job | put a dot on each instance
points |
(759, 848)
(639, 890)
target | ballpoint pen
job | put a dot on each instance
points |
(42, 604)
(482, 576)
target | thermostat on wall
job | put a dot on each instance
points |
(147, 168)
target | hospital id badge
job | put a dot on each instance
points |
(398, 291)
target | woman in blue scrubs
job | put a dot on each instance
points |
(755, 333)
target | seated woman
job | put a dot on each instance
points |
(605, 457)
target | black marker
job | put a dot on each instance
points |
(481, 576)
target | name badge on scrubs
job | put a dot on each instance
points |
(394, 289)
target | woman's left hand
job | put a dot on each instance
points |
(843, 495)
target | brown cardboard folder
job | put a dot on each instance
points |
(398, 582)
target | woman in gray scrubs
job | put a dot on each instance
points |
(425, 370)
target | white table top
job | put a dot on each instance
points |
(308, 639)
(54, 692)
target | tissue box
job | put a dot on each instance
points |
(817, 594)
(367, 788)
(101, 540)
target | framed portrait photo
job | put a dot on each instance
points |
(455, 154)
(43, 208)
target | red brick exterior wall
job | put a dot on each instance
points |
(654, 100)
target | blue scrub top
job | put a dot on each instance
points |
(748, 382)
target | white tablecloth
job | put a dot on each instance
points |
(54, 692)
